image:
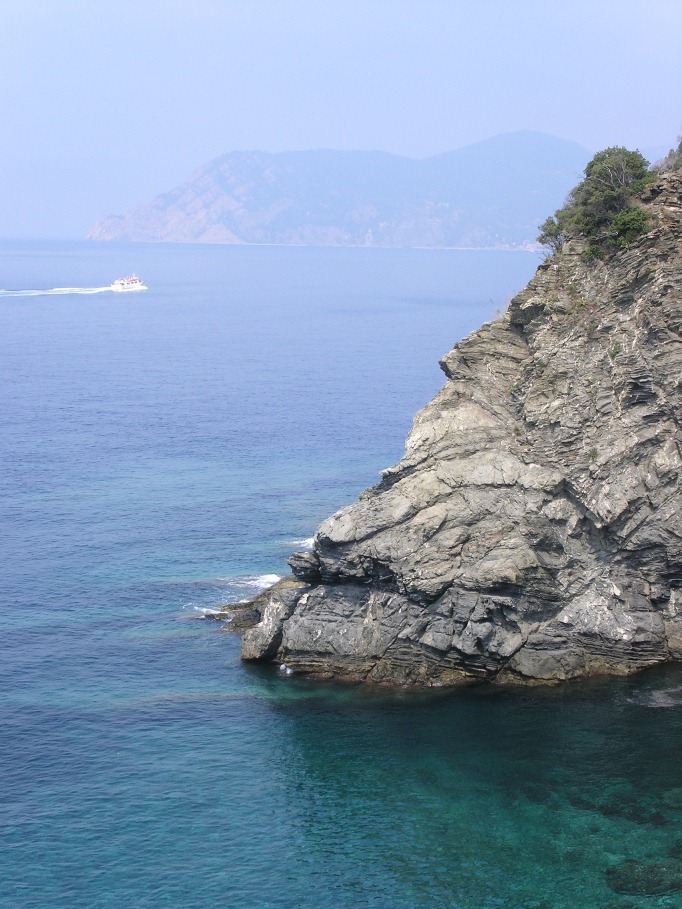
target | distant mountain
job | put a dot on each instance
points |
(490, 194)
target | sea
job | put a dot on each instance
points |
(162, 454)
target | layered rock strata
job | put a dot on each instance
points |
(533, 528)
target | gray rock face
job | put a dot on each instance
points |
(533, 528)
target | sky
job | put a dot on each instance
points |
(106, 103)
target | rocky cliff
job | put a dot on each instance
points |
(533, 528)
(492, 193)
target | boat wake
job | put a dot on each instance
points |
(54, 291)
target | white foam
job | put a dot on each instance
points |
(259, 582)
(249, 584)
(303, 544)
(266, 580)
(210, 612)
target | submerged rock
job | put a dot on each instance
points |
(645, 878)
(532, 529)
(672, 798)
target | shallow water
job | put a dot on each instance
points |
(162, 454)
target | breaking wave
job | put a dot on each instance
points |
(212, 598)
(255, 582)
(302, 544)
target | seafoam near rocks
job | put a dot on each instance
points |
(533, 528)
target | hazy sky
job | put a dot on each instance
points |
(105, 103)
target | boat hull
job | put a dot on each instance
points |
(126, 285)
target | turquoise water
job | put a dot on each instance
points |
(162, 454)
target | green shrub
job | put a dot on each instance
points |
(629, 224)
(612, 178)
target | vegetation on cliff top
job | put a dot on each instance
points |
(599, 208)
(673, 160)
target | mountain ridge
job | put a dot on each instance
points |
(489, 194)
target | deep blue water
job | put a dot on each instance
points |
(162, 453)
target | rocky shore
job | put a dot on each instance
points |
(533, 529)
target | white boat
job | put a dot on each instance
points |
(132, 282)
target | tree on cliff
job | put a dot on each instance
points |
(599, 207)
